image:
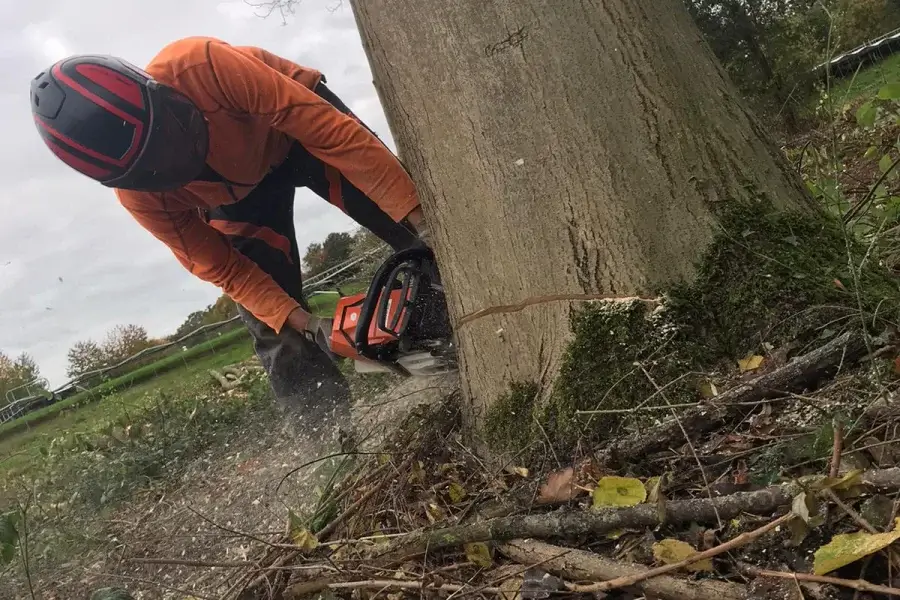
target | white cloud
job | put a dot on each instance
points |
(56, 224)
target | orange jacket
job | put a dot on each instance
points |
(257, 104)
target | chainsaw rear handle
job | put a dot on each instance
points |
(379, 294)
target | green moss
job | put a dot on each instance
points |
(510, 423)
(766, 277)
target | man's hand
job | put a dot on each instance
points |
(316, 329)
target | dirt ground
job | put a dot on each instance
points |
(211, 513)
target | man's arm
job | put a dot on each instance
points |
(207, 254)
(249, 85)
(304, 75)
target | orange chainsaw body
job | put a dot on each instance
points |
(346, 317)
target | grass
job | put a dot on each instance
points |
(21, 439)
(867, 81)
(19, 449)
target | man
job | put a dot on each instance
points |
(205, 149)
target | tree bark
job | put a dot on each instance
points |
(564, 151)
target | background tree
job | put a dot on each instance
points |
(579, 154)
(16, 373)
(123, 341)
(85, 356)
(319, 257)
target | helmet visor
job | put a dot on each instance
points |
(174, 153)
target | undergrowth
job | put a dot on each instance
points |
(83, 474)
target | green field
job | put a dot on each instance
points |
(866, 82)
(21, 446)
(20, 440)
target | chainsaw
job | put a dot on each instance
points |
(401, 323)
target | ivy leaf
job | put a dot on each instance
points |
(479, 554)
(885, 163)
(866, 114)
(300, 535)
(669, 551)
(871, 151)
(619, 491)
(847, 548)
(889, 92)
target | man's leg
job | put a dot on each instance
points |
(304, 380)
(304, 170)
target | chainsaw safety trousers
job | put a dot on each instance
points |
(304, 379)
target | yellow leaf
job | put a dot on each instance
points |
(669, 551)
(457, 493)
(304, 539)
(619, 491)
(750, 363)
(520, 471)
(847, 548)
(708, 389)
(479, 554)
(510, 589)
(653, 485)
(616, 534)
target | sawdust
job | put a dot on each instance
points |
(241, 489)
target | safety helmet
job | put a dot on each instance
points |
(113, 122)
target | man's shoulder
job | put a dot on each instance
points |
(180, 56)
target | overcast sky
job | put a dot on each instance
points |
(73, 263)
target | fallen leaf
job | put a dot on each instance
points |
(520, 471)
(300, 535)
(456, 492)
(708, 389)
(559, 487)
(751, 362)
(669, 551)
(434, 512)
(618, 491)
(479, 554)
(847, 548)
(897, 365)
(509, 589)
(653, 484)
(839, 285)
(9, 536)
(800, 507)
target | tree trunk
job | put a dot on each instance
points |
(563, 151)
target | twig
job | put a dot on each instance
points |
(581, 565)
(312, 587)
(800, 373)
(837, 448)
(331, 527)
(161, 586)
(224, 564)
(737, 542)
(853, 584)
(687, 439)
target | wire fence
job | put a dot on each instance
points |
(335, 276)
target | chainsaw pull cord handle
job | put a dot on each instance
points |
(373, 296)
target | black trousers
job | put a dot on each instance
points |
(303, 378)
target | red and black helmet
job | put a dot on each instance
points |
(114, 123)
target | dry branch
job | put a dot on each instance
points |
(576, 523)
(579, 565)
(854, 584)
(227, 385)
(630, 580)
(803, 372)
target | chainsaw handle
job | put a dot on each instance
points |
(376, 289)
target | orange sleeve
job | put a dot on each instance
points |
(248, 85)
(305, 75)
(207, 254)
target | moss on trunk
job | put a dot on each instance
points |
(768, 278)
